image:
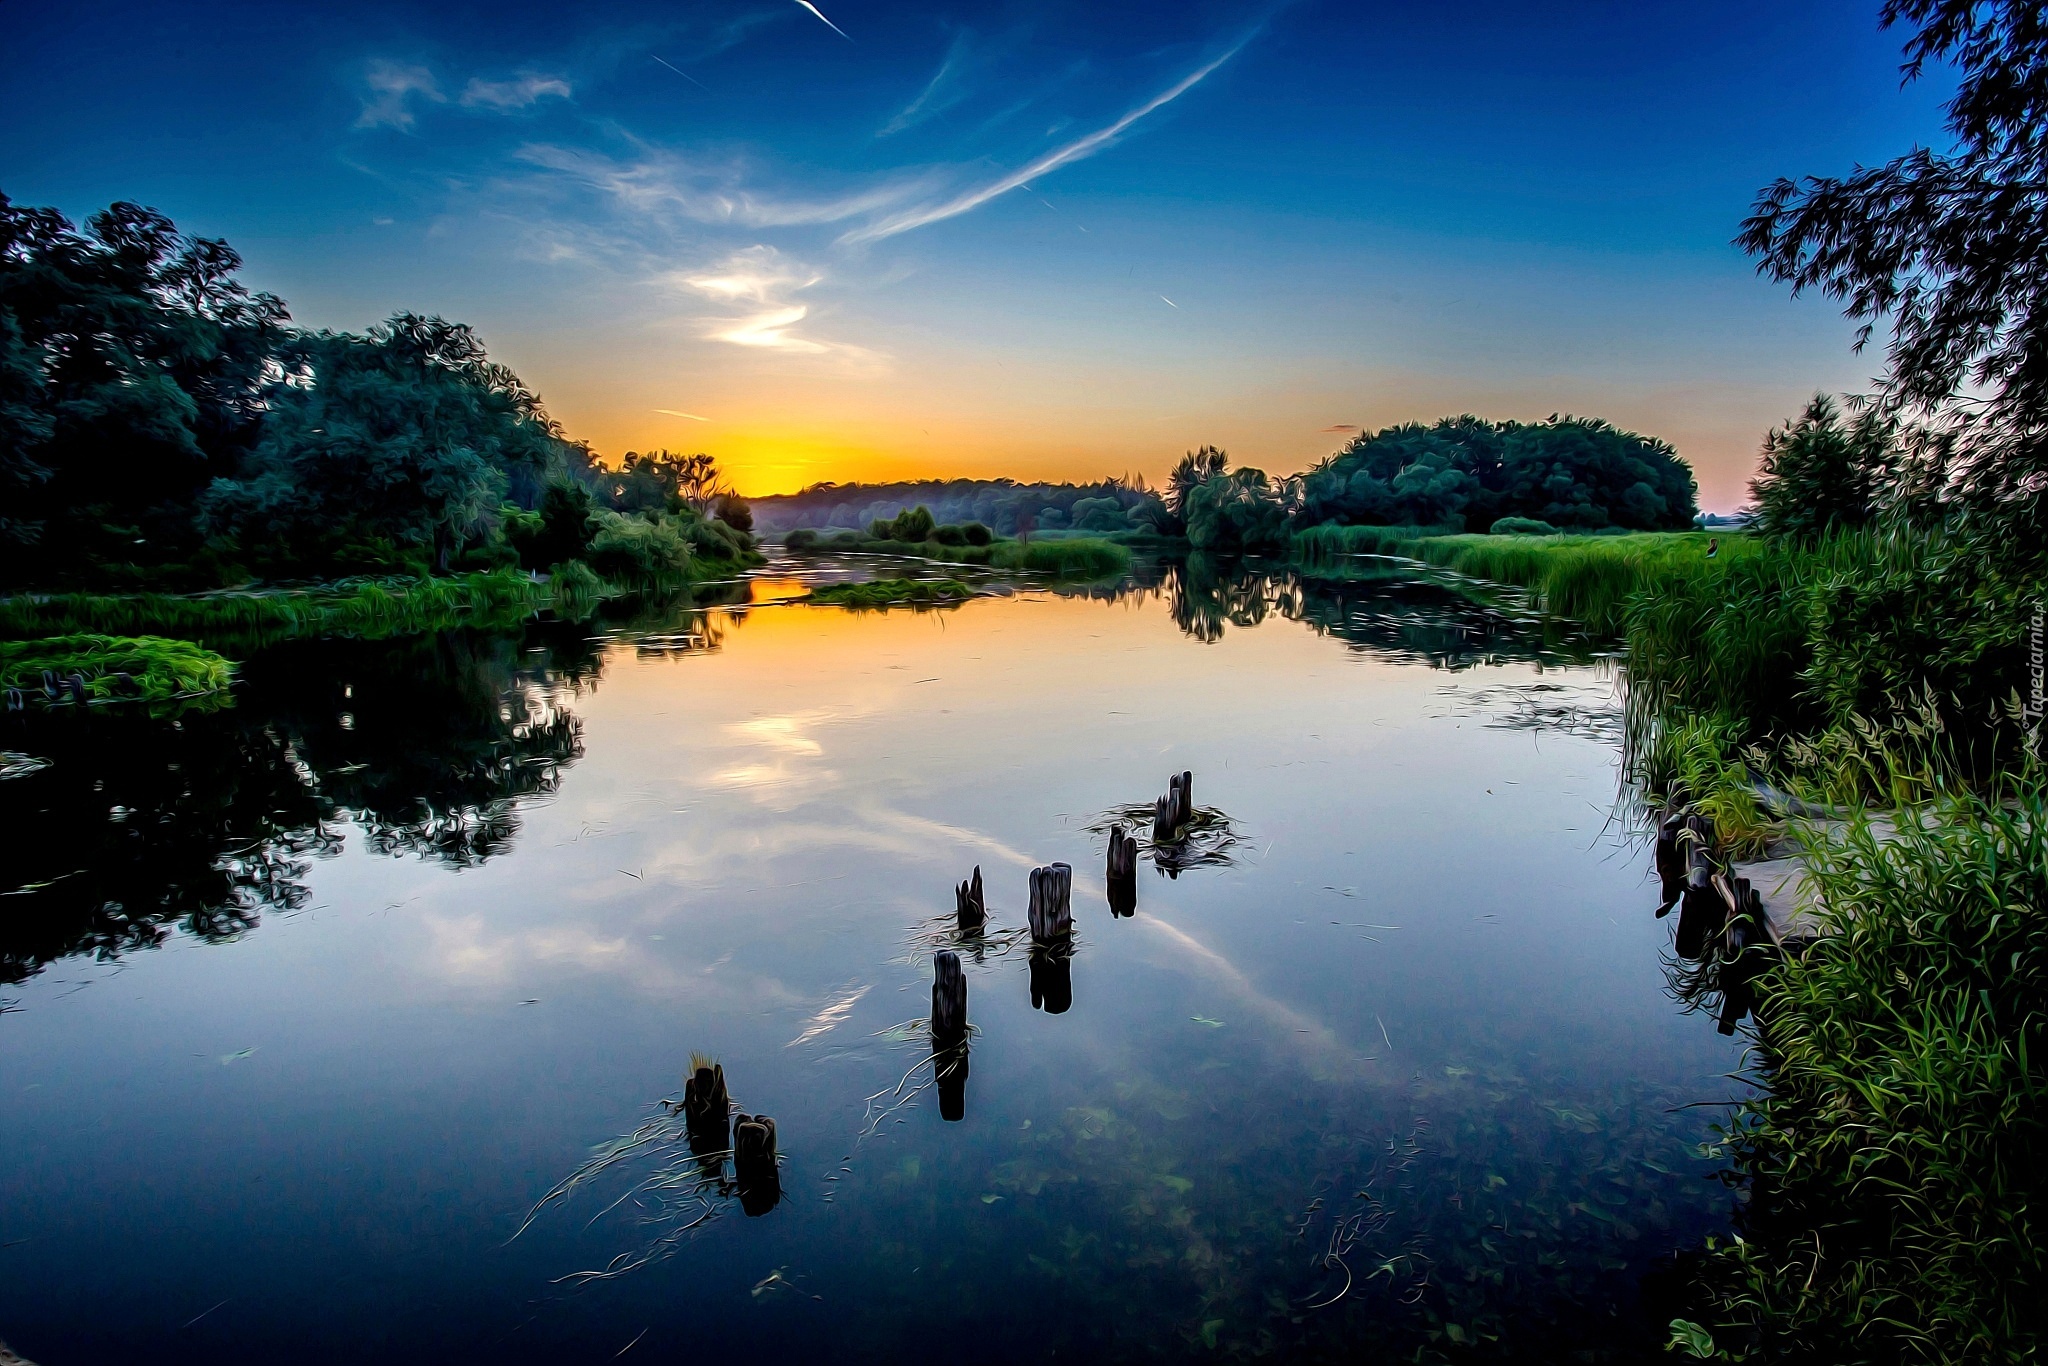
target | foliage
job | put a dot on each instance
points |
(1895, 1160)
(1001, 505)
(134, 367)
(1520, 526)
(662, 481)
(1945, 249)
(892, 592)
(1242, 512)
(1571, 472)
(974, 533)
(365, 608)
(1820, 474)
(733, 510)
(409, 434)
(118, 668)
(1067, 559)
(637, 552)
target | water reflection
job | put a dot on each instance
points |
(137, 825)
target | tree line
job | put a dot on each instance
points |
(162, 423)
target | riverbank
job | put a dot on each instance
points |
(1889, 1166)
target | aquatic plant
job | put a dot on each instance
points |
(118, 668)
(881, 593)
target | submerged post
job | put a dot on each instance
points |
(969, 907)
(1172, 812)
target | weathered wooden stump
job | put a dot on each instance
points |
(1121, 874)
(969, 906)
(1052, 979)
(706, 1107)
(1670, 864)
(1172, 812)
(949, 999)
(1747, 949)
(1050, 910)
(74, 688)
(16, 700)
(52, 688)
(1701, 913)
(753, 1163)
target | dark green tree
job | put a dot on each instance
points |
(1946, 250)
(406, 438)
(134, 368)
(1821, 473)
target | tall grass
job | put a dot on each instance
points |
(369, 608)
(1080, 559)
(1895, 1161)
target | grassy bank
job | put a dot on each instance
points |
(377, 607)
(117, 668)
(1894, 1161)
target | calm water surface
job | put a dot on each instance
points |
(309, 1001)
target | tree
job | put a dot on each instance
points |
(134, 368)
(1194, 468)
(1242, 512)
(405, 437)
(1946, 249)
(1820, 473)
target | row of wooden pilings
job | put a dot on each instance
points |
(1049, 912)
(714, 1129)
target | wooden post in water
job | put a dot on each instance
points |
(949, 999)
(705, 1106)
(968, 905)
(1172, 812)
(1184, 797)
(1051, 910)
(1701, 913)
(1122, 873)
(753, 1163)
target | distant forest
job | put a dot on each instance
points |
(1459, 473)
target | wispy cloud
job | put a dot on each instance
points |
(1340, 428)
(890, 225)
(391, 88)
(664, 183)
(765, 280)
(937, 96)
(520, 92)
(806, 4)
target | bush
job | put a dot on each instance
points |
(1082, 559)
(561, 529)
(913, 526)
(735, 511)
(949, 535)
(803, 538)
(977, 534)
(632, 550)
(1521, 526)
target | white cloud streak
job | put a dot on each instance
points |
(1078, 150)
(762, 277)
(929, 101)
(659, 183)
(520, 92)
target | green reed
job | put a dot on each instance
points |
(1075, 559)
(1895, 1159)
(368, 608)
(158, 670)
(892, 593)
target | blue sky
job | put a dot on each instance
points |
(1038, 240)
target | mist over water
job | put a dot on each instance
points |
(311, 999)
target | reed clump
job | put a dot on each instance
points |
(118, 668)
(1063, 559)
(880, 593)
(366, 608)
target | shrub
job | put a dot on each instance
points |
(1521, 526)
(632, 550)
(803, 538)
(735, 511)
(977, 534)
(949, 535)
